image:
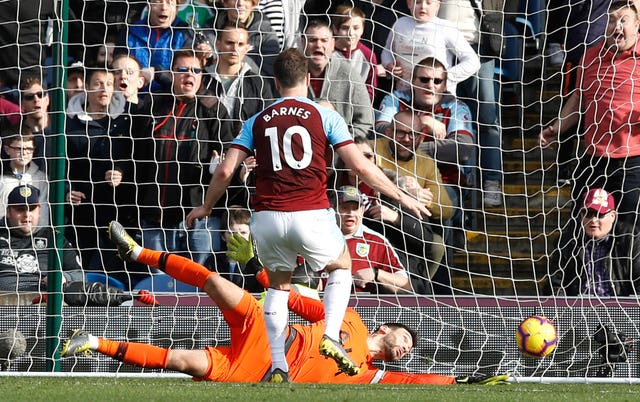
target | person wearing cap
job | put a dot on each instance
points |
(374, 263)
(25, 245)
(599, 255)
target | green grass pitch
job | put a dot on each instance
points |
(181, 390)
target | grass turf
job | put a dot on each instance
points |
(177, 390)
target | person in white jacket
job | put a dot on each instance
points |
(411, 39)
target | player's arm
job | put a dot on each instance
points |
(398, 377)
(218, 185)
(377, 180)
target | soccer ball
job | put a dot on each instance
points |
(536, 336)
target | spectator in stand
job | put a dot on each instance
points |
(174, 139)
(9, 113)
(23, 35)
(235, 220)
(479, 92)
(263, 41)
(348, 25)
(75, 80)
(447, 130)
(25, 245)
(608, 86)
(236, 84)
(420, 248)
(598, 257)
(375, 266)
(577, 27)
(424, 34)
(398, 151)
(284, 17)
(98, 161)
(195, 13)
(153, 40)
(19, 169)
(34, 100)
(334, 80)
(129, 80)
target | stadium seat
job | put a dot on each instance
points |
(102, 278)
(164, 283)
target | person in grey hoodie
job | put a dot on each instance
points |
(99, 161)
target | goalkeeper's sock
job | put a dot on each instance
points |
(178, 267)
(137, 354)
(336, 301)
(276, 318)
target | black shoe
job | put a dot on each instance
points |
(483, 379)
(278, 376)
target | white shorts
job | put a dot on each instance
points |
(282, 236)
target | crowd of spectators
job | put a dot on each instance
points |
(152, 104)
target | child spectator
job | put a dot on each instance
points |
(235, 220)
(18, 169)
(128, 80)
(348, 25)
(424, 34)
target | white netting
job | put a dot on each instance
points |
(474, 280)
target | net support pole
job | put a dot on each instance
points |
(56, 164)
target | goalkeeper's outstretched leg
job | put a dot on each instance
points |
(191, 362)
(224, 293)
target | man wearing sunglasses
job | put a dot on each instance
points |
(597, 254)
(34, 102)
(449, 137)
(176, 136)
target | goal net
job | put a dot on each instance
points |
(503, 244)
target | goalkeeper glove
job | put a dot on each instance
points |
(483, 379)
(239, 248)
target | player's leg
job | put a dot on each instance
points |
(336, 300)
(276, 317)
(223, 292)
(269, 230)
(324, 247)
(192, 362)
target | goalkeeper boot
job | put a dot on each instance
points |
(125, 243)
(483, 379)
(334, 350)
(279, 376)
(78, 343)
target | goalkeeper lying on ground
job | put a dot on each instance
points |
(247, 359)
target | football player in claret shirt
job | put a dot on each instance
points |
(376, 267)
(292, 211)
(247, 358)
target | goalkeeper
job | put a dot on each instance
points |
(247, 359)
